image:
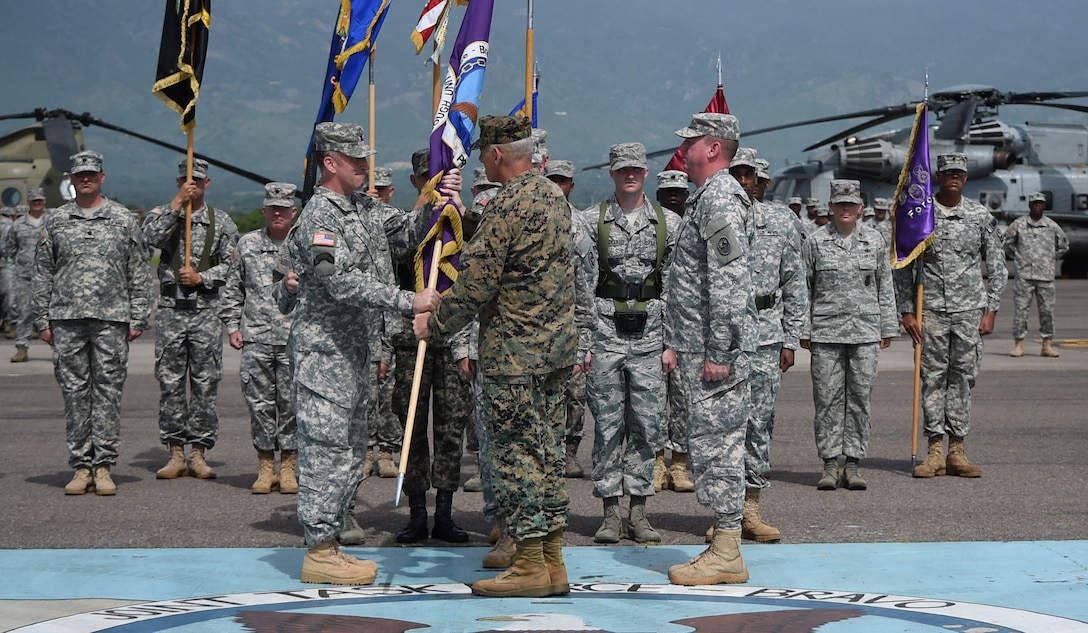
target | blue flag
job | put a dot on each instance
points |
(912, 208)
(353, 37)
(520, 108)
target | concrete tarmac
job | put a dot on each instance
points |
(1028, 434)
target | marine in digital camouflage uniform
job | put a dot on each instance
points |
(852, 317)
(1036, 243)
(255, 325)
(632, 238)
(342, 261)
(710, 325)
(19, 245)
(518, 276)
(446, 419)
(960, 307)
(188, 332)
(92, 296)
(781, 301)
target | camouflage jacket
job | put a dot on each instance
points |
(20, 243)
(778, 276)
(160, 225)
(517, 273)
(712, 308)
(952, 263)
(850, 287)
(632, 255)
(246, 303)
(92, 264)
(341, 254)
(1035, 247)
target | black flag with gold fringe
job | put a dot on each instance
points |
(181, 57)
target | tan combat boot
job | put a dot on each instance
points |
(752, 526)
(638, 525)
(82, 482)
(386, 467)
(502, 555)
(103, 484)
(720, 563)
(266, 473)
(933, 466)
(176, 466)
(368, 461)
(557, 569)
(661, 477)
(528, 577)
(678, 472)
(20, 356)
(829, 478)
(1017, 348)
(288, 472)
(1047, 352)
(351, 533)
(325, 563)
(201, 469)
(571, 468)
(957, 464)
(612, 527)
(851, 478)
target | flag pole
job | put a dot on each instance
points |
(372, 118)
(436, 79)
(417, 379)
(917, 364)
(529, 63)
(189, 203)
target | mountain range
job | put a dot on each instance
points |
(610, 72)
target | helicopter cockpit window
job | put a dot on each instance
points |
(11, 196)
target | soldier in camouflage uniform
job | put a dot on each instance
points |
(959, 308)
(672, 192)
(851, 319)
(255, 326)
(19, 245)
(710, 333)
(518, 275)
(188, 332)
(881, 223)
(561, 172)
(8, 309)
(1036, 243)
(446, 419)
(626, 386)
(341, 260)
(781, 300)
(92, 296)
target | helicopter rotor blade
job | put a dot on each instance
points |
(1061, 106)
(857, 128)
(1016, 98)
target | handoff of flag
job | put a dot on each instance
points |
(182, 51)
(451, 139)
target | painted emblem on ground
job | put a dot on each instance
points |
(593, 606)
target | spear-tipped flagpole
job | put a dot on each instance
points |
(719, 68)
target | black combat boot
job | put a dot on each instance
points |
(416, 530)
(444, 527)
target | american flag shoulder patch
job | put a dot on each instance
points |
(322, 238)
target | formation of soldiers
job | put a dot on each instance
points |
(673, 318)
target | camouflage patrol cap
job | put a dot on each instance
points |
(745, 157)
(15, 211)
(383, 177)
(763, 169)
(623, 155)
(811, 202)
(1038, 196)
(723, 126)
(421, 162)
(35, 193)
(845, 191)
(346, 138)
(868, 212)
(86, 161)
(479, 178)
(952, 162)
(200, 168)
(794, 200)
(882, 204)
(500, 130)
(672, 179)
(279, 194)
(561, 168)
(822, 211)
(540, 147)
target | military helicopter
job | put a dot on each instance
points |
(38, 155)
(1006, 163)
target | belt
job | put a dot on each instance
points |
(765, 302)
